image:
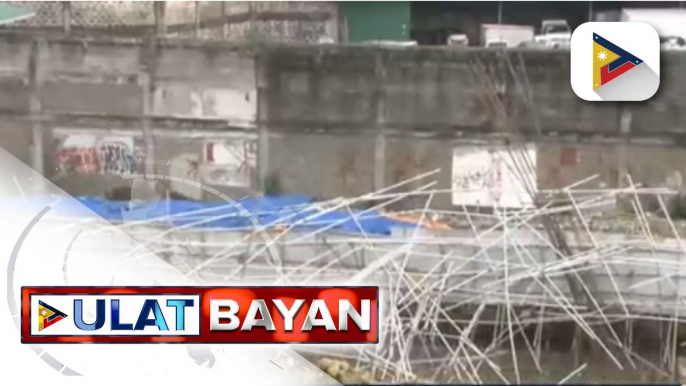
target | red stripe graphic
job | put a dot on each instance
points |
(606, 76)
(49, 322)
(338, 303)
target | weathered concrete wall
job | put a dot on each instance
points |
(328, 121)
(446, 92)
(453, 93)
(651, 166)
(423, 102)
(15, 130)
(410, 157)
(322, 165)
(89, 78)
(185, 95)
(197, 82)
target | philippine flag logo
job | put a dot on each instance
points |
(615, 61)
(610, 61)
(47, 315)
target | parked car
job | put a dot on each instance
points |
(669, 23)
(502, 44)
(458, 40)
(511, 34)
(673, 43)
(390, 43)
(533, 45)
(554, 34)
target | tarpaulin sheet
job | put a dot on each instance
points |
(286, 210)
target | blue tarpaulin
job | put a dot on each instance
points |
(284, 210)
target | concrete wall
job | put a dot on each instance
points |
(456, 92)
(197, 82)
(442, 92)
(182, 95)
(652, 166)
(322, 165)
(15, 129)
(416, 105)
(328, 121)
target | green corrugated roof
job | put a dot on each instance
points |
(377, 20)
(11, 14)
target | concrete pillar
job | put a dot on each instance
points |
(66, 17)
(146, 79)
(253, 15)
(160, 23)
(225, 25)
(146, 124)
(379, 160)
(262, 118)
(263, 155)
(332, 24)
(622, 148)
(36, 77)
(37, 138)
(196, 29)
(380, 138)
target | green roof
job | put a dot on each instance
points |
(11, 14)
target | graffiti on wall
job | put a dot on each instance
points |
(229, 162)
(89, 153)
(117, 155)
(487, 176)
(78, 153)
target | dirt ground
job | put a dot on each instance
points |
(555, 366)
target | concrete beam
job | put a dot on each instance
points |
(36, 78)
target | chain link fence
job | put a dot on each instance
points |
(48, 13)
(263, 31)
(283, 22)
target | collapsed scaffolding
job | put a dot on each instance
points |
(472, 303)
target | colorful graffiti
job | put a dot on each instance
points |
(79, 153)
(87, 153)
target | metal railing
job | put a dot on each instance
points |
(284, 22)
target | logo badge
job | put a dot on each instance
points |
(615, 61)
(47, 315)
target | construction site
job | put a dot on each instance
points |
(517, 232)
